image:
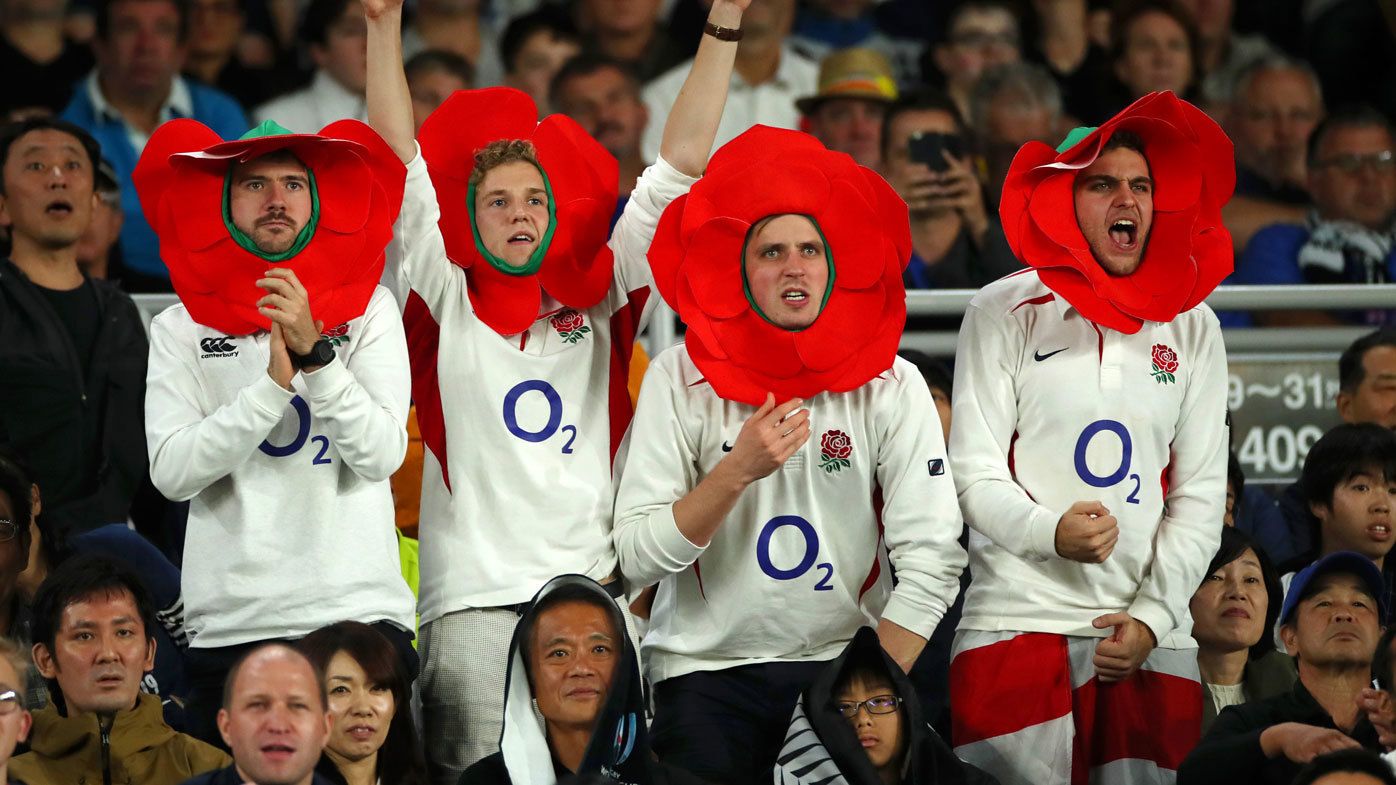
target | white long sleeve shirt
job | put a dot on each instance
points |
(291, 517)
(795, 569)
(1049, 410)
(529, 430)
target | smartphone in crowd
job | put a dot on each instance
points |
(930, 147)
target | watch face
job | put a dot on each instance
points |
(322, 352)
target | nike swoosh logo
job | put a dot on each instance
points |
(726, 447)
(1039, 356)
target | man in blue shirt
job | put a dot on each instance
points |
(140, 47)
(1350, 236)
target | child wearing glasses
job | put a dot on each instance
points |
(859, 723)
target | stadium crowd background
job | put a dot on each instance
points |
(935, 95)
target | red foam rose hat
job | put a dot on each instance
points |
(180, 179)
(1189, 251)
(583, 179)
(697, 260)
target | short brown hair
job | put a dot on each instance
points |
(500, 152)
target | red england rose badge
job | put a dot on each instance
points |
(1165, 364)
(337, 335)
(834, 449)
(570, 324)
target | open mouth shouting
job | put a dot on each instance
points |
(1124, 233)
(59, 208)
(523, 238)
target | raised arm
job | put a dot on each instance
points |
(692, 124)
(389, 104)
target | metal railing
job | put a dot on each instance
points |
(663, 330)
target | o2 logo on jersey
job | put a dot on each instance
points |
(302, 434)
(811, 538)
(1121, 472)
(554, 423)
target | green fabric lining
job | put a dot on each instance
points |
(828, 288)
(535, 259)
(307, 233)
(1076, 135)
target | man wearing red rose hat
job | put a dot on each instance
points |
(782, 456)
(277, 391)
(1089, 450)
(521, 315)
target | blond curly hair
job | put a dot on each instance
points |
(500, 152)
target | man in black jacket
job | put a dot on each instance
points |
(1329, 622)
(72, 349)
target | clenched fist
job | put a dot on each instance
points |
(1087, 533)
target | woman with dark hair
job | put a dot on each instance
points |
(373, 739)
(1233, 612)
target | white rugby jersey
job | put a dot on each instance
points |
(1051, 409)
(291, 522)
(523, 491)
(795, 569)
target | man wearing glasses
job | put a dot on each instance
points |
(1350, 235)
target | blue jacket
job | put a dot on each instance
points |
(140, 250)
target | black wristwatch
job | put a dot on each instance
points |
(321, 352)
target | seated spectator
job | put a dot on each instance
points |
(574, 702)
(275, 718)
(1155, 48)
(822, 26)
(1347, 767)
(462, 28)
(769, 75)
(372, 737)
(94, 249)
(979, 35)
(216, 29)
(846, 113)
(50, 547)
(1222, 51)
(1366, 393)
(432, 75)
(1275, 105)
(336, 35)
(1011, 106)
(534, 48)
(868, 727)
(1233, 612)
(603, 96)
(93, 641)
(1367, 379)
(41, 63)
(956, 243)
(938, 379)
(136, 87)
(1350, 236)
(629, 32)
(1349, 485)
(1330, 622)
(15, 720)
(72, 349)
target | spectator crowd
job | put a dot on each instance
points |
(382, 499)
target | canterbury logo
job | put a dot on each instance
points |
(221, 346)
